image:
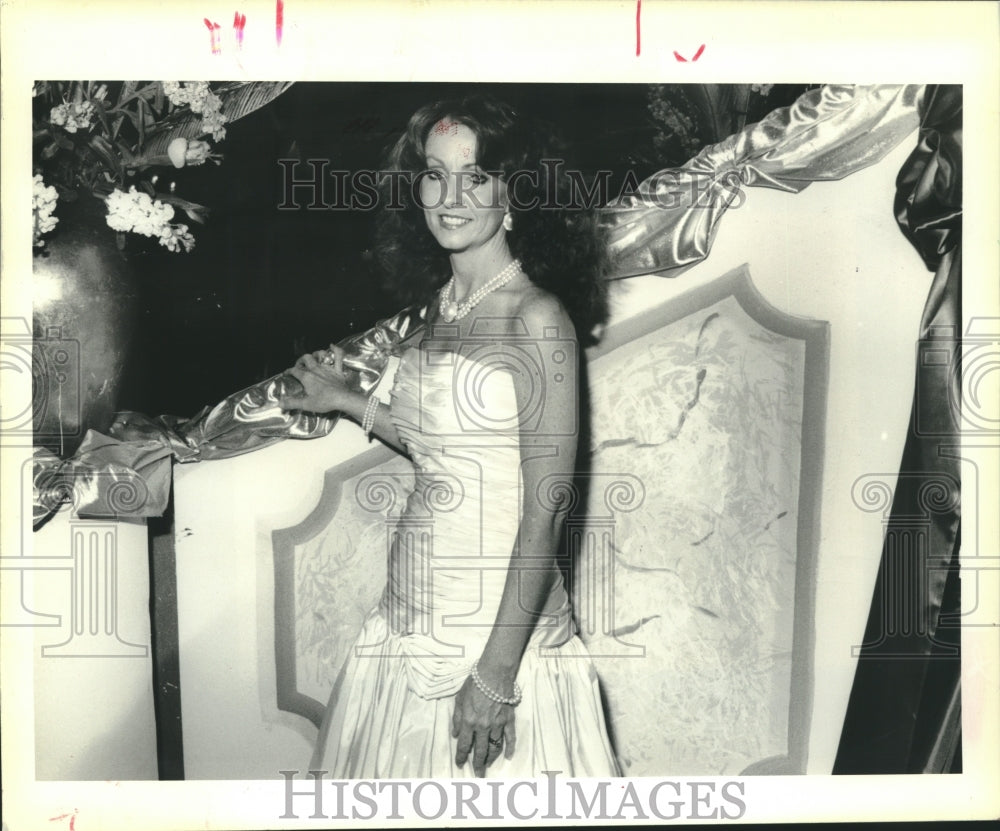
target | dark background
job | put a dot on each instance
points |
(264, 285)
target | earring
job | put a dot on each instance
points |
(508, 222)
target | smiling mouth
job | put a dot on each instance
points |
(453, 222)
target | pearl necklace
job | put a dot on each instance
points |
(451, 311)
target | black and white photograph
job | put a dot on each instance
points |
(529, 412)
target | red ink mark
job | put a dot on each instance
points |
(466, 150)
(279, 20)
(444, 126)
(697, 54)
(239, 23)
(72, 818)
(213, 29)
(638, 27)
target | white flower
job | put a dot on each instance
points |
(184, 92)
(43, 204)
(200, 98)
(763, 89)
(73, 117)
(197, 152)
(213, 119)
(177, 151)
(58, 115)
(183, 152)
(139, 213)
(175, 236)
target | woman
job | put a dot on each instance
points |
(470, 661)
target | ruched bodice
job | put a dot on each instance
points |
(390, 710)
(448, 563)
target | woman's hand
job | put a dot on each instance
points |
(483, 728)
(323, 379)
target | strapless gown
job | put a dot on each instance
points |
(390, 712)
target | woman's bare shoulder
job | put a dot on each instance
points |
(541, 313)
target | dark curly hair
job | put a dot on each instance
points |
(558, 243)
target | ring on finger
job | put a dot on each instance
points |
(329, 359)
(494, 742)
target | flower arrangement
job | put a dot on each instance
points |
(108, 138)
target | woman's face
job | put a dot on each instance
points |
(463, 205)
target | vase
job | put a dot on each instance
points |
(84, 306)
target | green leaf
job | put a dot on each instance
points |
(195, 212)
(102, 117)
(103, 148)
(132, 117)
(132, 92)
(240, 100)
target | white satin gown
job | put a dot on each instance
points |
(390, 712)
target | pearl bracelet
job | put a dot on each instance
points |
(492, 695)
(368, 419)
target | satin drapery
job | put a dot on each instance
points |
(670, 222)
(251, 419)
(904, 713)
(128, 472)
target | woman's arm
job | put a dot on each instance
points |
(354, 408)
(548, 456)
(325, 390)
